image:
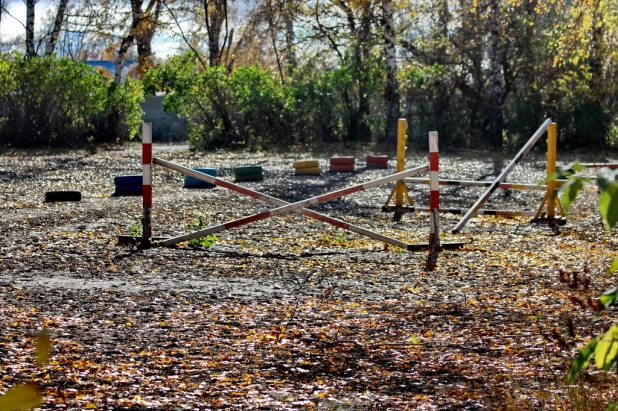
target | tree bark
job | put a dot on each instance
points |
(145, 30)
(215, 15)
(53, 38)
(290, 38)
(30, 52)
(127, 41)
(364, 37)
(391, 94)
(497, 116)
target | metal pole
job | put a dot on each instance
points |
(434, 193)
(485, 196)
(505, 213)
(275, 201)
(147, 183)
(293, 206)
(469, 183)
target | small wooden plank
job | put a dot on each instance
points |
(443, 246)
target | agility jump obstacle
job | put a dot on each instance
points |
(550, 200)
(282, 206)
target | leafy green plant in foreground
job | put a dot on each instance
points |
(28, 396)
(206, 241)
(604, 347)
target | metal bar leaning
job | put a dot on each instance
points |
(283, 204)
(472, 183)
(496, 183)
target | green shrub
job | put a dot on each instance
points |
(56, 101)
(122, 117)
(246, 109)
(251, 108)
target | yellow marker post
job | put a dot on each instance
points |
(551, 169)
(400, 188)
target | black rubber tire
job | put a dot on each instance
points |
(62, 196)
(247, 170)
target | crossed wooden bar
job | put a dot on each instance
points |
(285, 207)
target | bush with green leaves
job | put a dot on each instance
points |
(246, 109)
(604, 348)
(251, 108)
(121, 119)
(60, 102)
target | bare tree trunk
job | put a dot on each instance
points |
(270, 18)
(30, 52)
(53, 38)
(595, 60)
(127, 41)
(497, 116)
(290, 38)
(215, 15)
(391, 94)
(364, 108)
(145, 31)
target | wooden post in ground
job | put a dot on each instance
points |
(147, 183)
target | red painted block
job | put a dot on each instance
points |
(377, 165)
(348, 160)
(338, 168)
(377, 159)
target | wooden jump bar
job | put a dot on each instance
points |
(275, 201)
(471, 183)
(600, 165)
(524, 213)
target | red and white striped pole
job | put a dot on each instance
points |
(147, 183)
(288, 207)
(434, 193)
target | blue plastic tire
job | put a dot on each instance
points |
(191, 182)
(129, 180)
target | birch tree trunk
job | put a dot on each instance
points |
(30, 52)
(391, 94)
(364, 39)
(215, 15)
(290, 39)
(497, 117)
(53, 38)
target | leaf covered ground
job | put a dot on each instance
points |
(289, 313)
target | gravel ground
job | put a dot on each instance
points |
(69, 250)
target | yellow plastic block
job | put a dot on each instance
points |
(313, 171)
(306, 164)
